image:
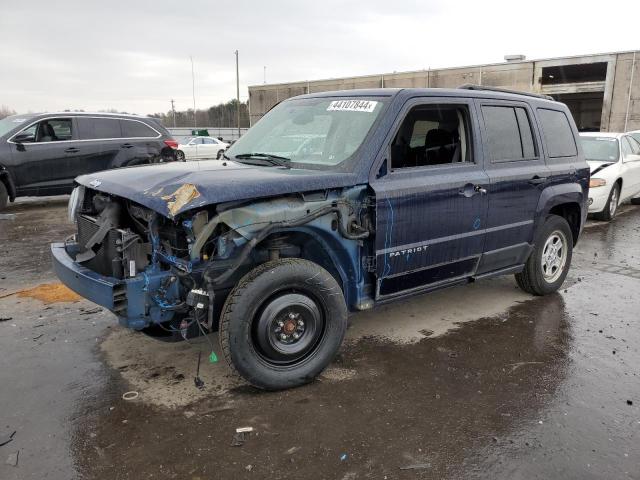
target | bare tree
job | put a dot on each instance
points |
(5, 111)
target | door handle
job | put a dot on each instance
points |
(469, 190)
(127, 145)
(72, 150)
(538, 180)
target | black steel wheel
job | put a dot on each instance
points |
(283, 323)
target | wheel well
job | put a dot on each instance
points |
(572, 214)
(309, 247)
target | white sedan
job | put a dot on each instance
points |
(614, 159)
(192, 148)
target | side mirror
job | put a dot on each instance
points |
(632, 158)
(23, 138)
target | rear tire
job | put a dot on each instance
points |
(180, 156)
(611, 207)
(4, 196)
(549, 263)
(283, 323)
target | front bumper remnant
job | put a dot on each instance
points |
(130, 299)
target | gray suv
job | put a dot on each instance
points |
(41, 154)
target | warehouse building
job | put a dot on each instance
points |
(602, 91)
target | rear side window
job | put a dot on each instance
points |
(557, 132)
(135, 129)
(98, 128)
(509, 132)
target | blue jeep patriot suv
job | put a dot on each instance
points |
(333, 202)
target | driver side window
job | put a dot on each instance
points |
(50, 130)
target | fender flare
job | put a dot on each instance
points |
(555, 195)
(5, 177)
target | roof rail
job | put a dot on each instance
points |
(471, 86)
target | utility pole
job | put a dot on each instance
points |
(193, 91)
(173, 110)
(238, 92)
(265, 74)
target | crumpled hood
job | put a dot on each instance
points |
(173, 188)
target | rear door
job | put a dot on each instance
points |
(99, 145)
(517, 174)
(432, 203)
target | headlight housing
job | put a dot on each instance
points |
(77, 196)
(597, 182)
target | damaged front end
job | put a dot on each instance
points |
(149, 268)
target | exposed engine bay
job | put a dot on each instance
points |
(169, 269)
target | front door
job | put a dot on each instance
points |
(43, 153)
(431, 201)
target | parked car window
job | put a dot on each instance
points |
(208, 141)
(49, 130)
(557, 133)
(9, 123)
(600, 149)
(432, 135)
(90, 128)
(635, 136)
(633, 144)
(196, 141)
(509, 132)
(135, 129)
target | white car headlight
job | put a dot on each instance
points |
(77, 196)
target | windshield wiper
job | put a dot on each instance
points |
(272, 159)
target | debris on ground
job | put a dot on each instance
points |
(241, 435)
(90, 311)
(4, 439)
(629, 402)
(49, 293)
(38, 336)
(343, 457)
(292, 450)
(5, 319)
(416, 466)
(130, 395)
(248, 468)
(7, 216)
(13, 459)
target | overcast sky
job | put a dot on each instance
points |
(134, 55)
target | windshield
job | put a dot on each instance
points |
(312, 132)
(9, 123)
(600, 149)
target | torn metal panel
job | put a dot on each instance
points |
(181, 197)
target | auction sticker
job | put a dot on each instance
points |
(352, 106)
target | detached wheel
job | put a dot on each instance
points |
(283, 323)
(548, 264)
(180, 156)
(611, 207)
(4, 196)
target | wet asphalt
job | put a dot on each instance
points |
(547, 388)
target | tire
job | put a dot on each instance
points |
(220, 153)
(4, 196)
(539, 277)
(635, 201)
(611, 207)
(180, 156)
(270, 302)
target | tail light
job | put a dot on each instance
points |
(171, 143)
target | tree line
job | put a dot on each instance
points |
(223, 115)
